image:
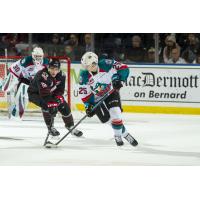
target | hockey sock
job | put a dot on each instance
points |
(124, 131)
(68, 120)
(49, 120)
(117, 126)
(116, 120)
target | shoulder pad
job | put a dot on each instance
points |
(26, 60)
(84, 77)
(45, 61)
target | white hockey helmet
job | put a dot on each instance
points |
(89, 61)
(37, 55)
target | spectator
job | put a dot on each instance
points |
(192, 47)
(151, 55)
(69, 52)
(118, 50)
(73, 39)
(106, 45)
(55, 48)
(77, 49)
(176, 59)
(22, 46)
(135, 53)
(8, 42)
(113, 48)
(197, 59)
(170, 42)
(3, 45)
(88, 42)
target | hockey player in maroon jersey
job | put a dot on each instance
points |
(46, 91)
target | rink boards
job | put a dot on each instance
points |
(170, 89)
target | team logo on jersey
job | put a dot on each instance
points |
(45, 76)
(44, 85)
(101, 89)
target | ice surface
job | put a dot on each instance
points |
(163, 140)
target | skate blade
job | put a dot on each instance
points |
(135, 143)
(55, 137)
(50, 145)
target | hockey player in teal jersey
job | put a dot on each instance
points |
(18, 80)
(97, 78)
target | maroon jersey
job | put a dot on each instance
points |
(46, 86)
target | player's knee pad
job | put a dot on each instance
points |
(115, 113)
(47, 117)
(116, 120)
(21, 99)
(9, 83)
(64, 109)
(102, 113)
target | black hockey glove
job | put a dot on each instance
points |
(52, 108)
(25, 81)
(116, 82)
(89, 110)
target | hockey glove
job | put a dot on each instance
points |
(89, 110)
(116, 82)
(24, 80)
(52, 108)
(60, 99)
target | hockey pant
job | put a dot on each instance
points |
(63, 108)
(110, 110)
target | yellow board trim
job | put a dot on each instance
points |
(135, 109)
(155, 109)
(4, 105)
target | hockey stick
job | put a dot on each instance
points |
(85, 116)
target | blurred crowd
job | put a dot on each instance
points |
(178, 48)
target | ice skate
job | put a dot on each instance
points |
(131, 139)
(54, 133)
(118, 140)
(77, 133)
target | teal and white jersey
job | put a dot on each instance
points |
(25, 68)
(94, 86)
